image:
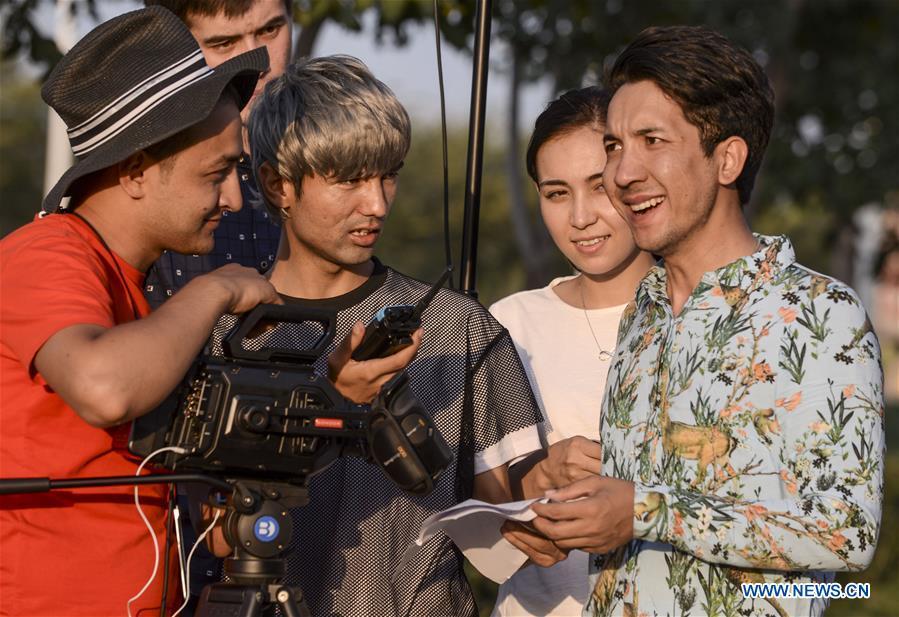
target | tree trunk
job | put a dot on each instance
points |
(306, 40)
(532, 247)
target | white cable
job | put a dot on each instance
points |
(191, 556)
(179, 542)
(147, 522)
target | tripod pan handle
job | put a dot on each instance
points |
(13, 486)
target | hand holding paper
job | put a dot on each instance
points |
(475, 528)
(565, 462)
(540, 549)
(595, 514)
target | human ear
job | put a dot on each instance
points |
(273, 187)
(133, 174)
(732, 154)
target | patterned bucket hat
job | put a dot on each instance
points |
(132, 82)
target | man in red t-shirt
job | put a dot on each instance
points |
(157, 136)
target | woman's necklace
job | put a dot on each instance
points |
(604, 356)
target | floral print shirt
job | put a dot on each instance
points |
(752, 426)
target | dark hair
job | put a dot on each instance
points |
(209, 8)
(572, 110)
(719, 86)
(888, 246)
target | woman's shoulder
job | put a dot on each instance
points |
(529, 300)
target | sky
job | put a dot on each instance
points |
(411, 71)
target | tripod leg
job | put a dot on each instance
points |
(228, 599)
(291, 601)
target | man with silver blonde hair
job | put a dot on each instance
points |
(328, 141)
(332, 118)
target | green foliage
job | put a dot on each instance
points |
(22, 36)
(22, 122)
(792, 358)
(343, 12)
(392, 17)
(484, 590)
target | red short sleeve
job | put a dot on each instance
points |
(52, 278)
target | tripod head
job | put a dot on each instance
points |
(257, 524)
(258, 528)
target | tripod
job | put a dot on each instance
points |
(258, 528)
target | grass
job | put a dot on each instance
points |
(484, 590)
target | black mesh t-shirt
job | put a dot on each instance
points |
(349, 539)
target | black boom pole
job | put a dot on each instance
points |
(475, 148)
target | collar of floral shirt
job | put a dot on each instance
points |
(745, 274)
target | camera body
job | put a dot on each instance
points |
(273, 421)
(262, 413)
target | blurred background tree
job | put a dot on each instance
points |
(834, 151)
(832, 62)
(22, 129)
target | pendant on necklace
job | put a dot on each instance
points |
(604, 356)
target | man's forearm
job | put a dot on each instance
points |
(819, 531)
(492, 486)
(113, 375)
(168, 340)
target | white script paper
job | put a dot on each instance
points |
(474, 526)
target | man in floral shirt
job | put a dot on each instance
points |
(742, 424)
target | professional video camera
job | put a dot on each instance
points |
(261, 413)
(260, 418)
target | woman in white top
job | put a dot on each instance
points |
(565, 332)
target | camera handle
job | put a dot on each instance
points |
(258, 528)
